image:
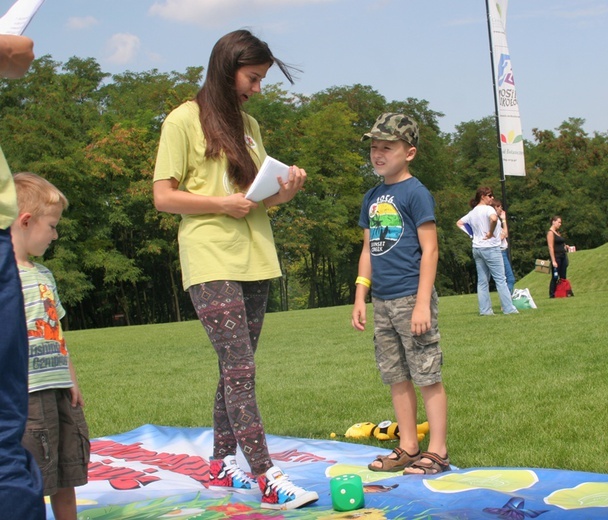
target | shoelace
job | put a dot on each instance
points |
(235, 471)
(284, 484)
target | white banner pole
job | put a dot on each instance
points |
(511, 143)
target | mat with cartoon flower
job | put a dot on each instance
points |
(156, 472)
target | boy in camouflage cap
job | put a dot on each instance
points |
(399, 261)
(392, 127)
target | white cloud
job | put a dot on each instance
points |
(208, 12)
(155, 57)
(122, 48)
(81, 22)
(582, 12)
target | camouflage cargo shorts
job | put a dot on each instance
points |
(401, 356)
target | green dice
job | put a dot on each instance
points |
(347, 492)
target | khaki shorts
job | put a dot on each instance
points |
(58, 437)
(401, 356)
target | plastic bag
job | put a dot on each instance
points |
(522, 299)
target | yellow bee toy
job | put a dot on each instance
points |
(385, 431)
(360, 430)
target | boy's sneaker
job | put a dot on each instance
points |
(278, 492)
(226, 474)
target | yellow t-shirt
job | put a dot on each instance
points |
(8, 196)
(214, 246)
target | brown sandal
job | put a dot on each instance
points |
(401, 461)
(437, 465)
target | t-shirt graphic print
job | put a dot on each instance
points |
(385, 226)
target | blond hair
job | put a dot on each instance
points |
(36, 195)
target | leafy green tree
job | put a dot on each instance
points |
(97, 143)
(473, 162)
(135, 104)
(330, 203)
(143, 99)
(566, 175)
(95, 137)
(47, 118)
(476, 159)
(279, 114)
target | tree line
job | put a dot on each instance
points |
(116, 262)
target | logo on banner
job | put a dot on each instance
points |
(505, 72)
(507, 96)
(511, 137)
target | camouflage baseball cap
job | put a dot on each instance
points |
(392, 127)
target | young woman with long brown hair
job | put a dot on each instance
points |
(210, 151)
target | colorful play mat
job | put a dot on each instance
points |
(156, 472)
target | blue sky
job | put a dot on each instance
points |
(433, 50)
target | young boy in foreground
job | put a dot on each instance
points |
(399, 261)
(56, 431)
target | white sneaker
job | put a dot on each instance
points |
(278, 492)
(226, 474)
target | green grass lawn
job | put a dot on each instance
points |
(526, 390)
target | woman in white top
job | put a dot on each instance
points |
(486, 228)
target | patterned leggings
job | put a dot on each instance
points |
(232, 314)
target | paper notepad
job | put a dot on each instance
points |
(467, 229)
(18, 16)
(265, 183)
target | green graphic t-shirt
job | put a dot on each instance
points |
(48, 355)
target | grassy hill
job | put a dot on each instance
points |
(588, 272)
(526, 390)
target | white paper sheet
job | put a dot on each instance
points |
(265, 183)
(18, 16)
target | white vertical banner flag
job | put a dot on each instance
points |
(509, 123)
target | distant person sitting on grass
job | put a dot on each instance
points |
(55, 404)
(399, 263)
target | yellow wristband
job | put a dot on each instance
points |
(363, 281)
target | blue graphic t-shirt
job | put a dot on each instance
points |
(393, 213)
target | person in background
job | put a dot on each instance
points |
(557, 252)
(504, 244)
(20, 480)
(56, 432)
(486, 228)
(209, 153)
(398, 263)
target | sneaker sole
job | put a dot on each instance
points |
(242, 491)
(303, 500)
